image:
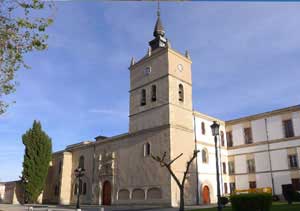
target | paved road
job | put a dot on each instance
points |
(7, 207)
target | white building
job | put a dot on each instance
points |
(257, 151)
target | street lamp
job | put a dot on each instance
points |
(24, 180)
(215, 132)
(79, 172)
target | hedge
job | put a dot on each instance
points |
(251, 202)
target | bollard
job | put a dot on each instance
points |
(30, 208)
(102, 209)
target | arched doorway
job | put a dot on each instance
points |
(206, 195)
(106, 193)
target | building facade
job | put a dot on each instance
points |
(262, 150)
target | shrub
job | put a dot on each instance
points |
(288, 193)
(296, 196)
(224, 200)
(251, 202)
(275, 198)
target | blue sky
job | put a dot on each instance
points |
(245, 61)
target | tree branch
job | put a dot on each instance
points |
(188, 164)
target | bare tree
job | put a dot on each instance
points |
(167, 164)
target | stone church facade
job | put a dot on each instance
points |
(256, 151)
(261, 150)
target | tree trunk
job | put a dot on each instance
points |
(181, 207)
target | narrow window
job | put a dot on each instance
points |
(147, 149)
(59, 167)
(180, 93)
(232, 187)
(84, 188)
(153, 93)
(203, 128)
(296, 184)
(81, 162)
(225, 188)
(143, 97)
(252, 184)
(222, 139)
(75, 189)
(229, 139)
(224, 168)
(251, 166)
(231, 167)
(80, 186)
(293, 161)
(204, 156)
(288, 128)
(248, 135)
(56, 190)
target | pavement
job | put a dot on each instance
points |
(11, 207)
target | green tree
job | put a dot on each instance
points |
(38, 152)
(22, 30)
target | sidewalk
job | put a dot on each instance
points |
(10, 207)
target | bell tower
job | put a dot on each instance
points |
(161, 100)
(160, 85)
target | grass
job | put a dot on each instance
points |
(275, 207)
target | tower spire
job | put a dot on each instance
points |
(159, 33)
(158, 8)
(158, 29)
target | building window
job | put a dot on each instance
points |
(75, 189)
(248, 135)
(81, 162)
(147, 149)
(232, 187)
(143, 97)
(203, 128)
(84, 188)
(288, 128)
(225, 188)
(251, 166)
(180, 93)
(222, 139)
(224, 168)
(252, 184)
(153, 93)
(80, 186)
(296, 184)
(59, 167)
(229, 139)
(56, 190)
(204, 156)
(293, 161)
(231, 167)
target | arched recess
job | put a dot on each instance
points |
(106, 193)
(123, 194)
(204, 155)
(138, 194)
(180, 93)
(81, 162)
(154, 193)
(205, 195)
(212, 194)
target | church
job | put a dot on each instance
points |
(256, 151)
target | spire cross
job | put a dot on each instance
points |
(158, 8)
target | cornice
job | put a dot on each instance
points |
(263, 115)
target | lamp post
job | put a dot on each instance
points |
(79, 172)
(215, 132)
(24, 181)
